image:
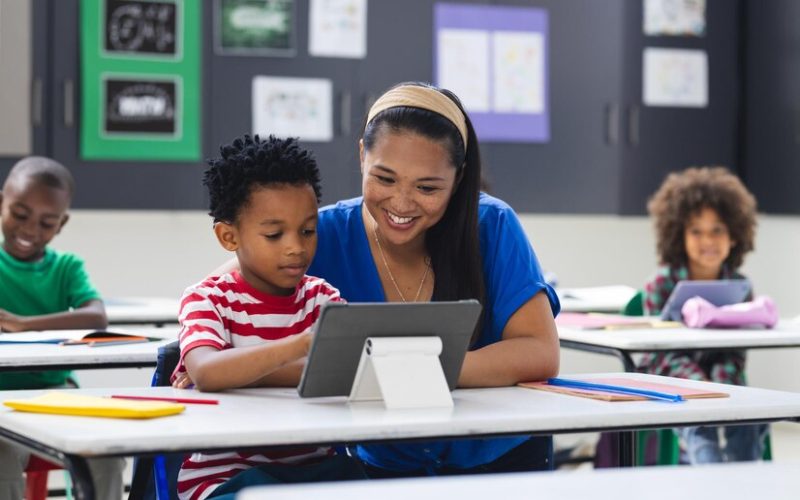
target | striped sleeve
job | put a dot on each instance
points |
(201, 323)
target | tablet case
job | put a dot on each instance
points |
(342, 330)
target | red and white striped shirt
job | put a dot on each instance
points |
(224, 312)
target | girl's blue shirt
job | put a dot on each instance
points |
(512, 274)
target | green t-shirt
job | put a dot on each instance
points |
(56, 283)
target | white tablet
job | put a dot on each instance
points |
(342, 330)
(718, 292)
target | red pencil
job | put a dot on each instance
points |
(171, 400)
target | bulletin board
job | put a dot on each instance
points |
(140, 80)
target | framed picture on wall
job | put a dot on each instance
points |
(254, 27)
(142, 28)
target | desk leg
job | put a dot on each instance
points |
(81, 477)
(627, 448)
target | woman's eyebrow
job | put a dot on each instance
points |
(421, 179)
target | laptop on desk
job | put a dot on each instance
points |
(718, 292)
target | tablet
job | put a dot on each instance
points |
(718, 292)
(342, 329)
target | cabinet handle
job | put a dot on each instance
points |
(633, 125)
(69, 103)
(36, 103)
(345, 115)
(612, 124)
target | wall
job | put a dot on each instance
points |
(159, 253)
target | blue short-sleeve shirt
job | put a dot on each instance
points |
(513, 276)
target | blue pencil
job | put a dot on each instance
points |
(618, 389)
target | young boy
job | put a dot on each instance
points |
(251, 327)
(43, 290)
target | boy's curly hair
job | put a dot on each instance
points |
(250, 162)
(684, 194)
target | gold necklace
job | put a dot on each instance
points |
(391, 276)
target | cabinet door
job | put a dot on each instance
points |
(107, 183)
(228, 99)
(659, 140)
(772, 157)
(24, 50)
(576, 171)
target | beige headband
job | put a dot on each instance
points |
(415, 96)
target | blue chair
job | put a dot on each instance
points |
(156, 478)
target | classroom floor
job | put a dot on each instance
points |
(785, 447)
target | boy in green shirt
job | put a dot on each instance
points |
(41, 289)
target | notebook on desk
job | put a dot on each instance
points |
(65, 403)
(684, 392)
(597, 321)
(75, 337)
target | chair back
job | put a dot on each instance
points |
(156, 478)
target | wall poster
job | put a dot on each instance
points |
(495, 59)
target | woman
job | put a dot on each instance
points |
(422, 231)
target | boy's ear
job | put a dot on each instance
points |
(63, 223)
(227, 236)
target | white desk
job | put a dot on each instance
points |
(285, 419)
(729, 481)
(607, 299)
(141, 310)
(624, 342)
(23, 357)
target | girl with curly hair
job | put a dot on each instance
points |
(705, 224)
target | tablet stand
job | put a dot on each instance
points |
(404, 372)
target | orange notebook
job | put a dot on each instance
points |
(685, 392)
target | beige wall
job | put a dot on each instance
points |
(130, 253)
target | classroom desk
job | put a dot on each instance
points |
(141, 310)
(626, 341)
(25, 357)
(286, 419)
(606, 299)
(741, 481)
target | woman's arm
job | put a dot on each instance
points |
(215, 370)
(91, 314)
(528, 350)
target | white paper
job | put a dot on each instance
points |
(674, 17)
(463, 66)
(338, 28)
(675, 77)
(293, 107)
(518, 72)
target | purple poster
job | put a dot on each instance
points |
(495, 60)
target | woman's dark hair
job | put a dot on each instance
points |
(249, 162)
(685, 194)
(454, 242)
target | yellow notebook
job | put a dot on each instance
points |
(64, 403)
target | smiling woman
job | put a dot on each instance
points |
(422, 231)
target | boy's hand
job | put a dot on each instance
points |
(304, 339)
(182, 381)
(11, 322)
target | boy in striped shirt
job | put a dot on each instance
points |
(252, 327)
